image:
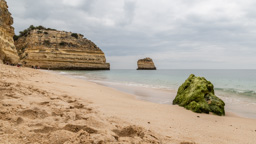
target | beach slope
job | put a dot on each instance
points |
(43, 107)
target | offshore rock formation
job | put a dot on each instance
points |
(59, 50)
(197, 94)
(8, 53)
(146, 64)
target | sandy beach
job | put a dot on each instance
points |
(42, 107)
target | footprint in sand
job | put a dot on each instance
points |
(46, 129)
(77, 128)
(44, 103)
(187, 143)
(19, 121)
(130, 131)
(34, 114)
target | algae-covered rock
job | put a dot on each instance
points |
(197, 94)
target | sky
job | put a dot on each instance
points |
(176, 34)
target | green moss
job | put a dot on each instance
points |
(197, 94)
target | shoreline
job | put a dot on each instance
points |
(142, 93)
(164, 95)
(111, 113)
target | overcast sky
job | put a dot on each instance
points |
(177, 34)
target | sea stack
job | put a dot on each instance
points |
(8, 53)
(197, 94)
(146, 64)
(59, 50)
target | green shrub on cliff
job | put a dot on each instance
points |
(47, 42)
(63, 43)
(197, 94)
(15, 37)
(75, 35)
(26, 31)
(39, 32)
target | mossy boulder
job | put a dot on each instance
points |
(197, 94)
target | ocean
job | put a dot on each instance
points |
(237, 88)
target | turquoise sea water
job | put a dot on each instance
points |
(236, 87)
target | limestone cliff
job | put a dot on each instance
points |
(146, 64)
(8, 53)
(58, 50)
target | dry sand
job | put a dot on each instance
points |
(42, 107)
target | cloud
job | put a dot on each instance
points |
(73, 3)
(129, 12)
(176, 34)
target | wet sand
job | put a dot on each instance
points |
(234, 104)
(159, 96)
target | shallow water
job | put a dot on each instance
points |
(236, 87)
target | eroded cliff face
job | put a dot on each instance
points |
(8, 53)
(146, 64)
(59, 50)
